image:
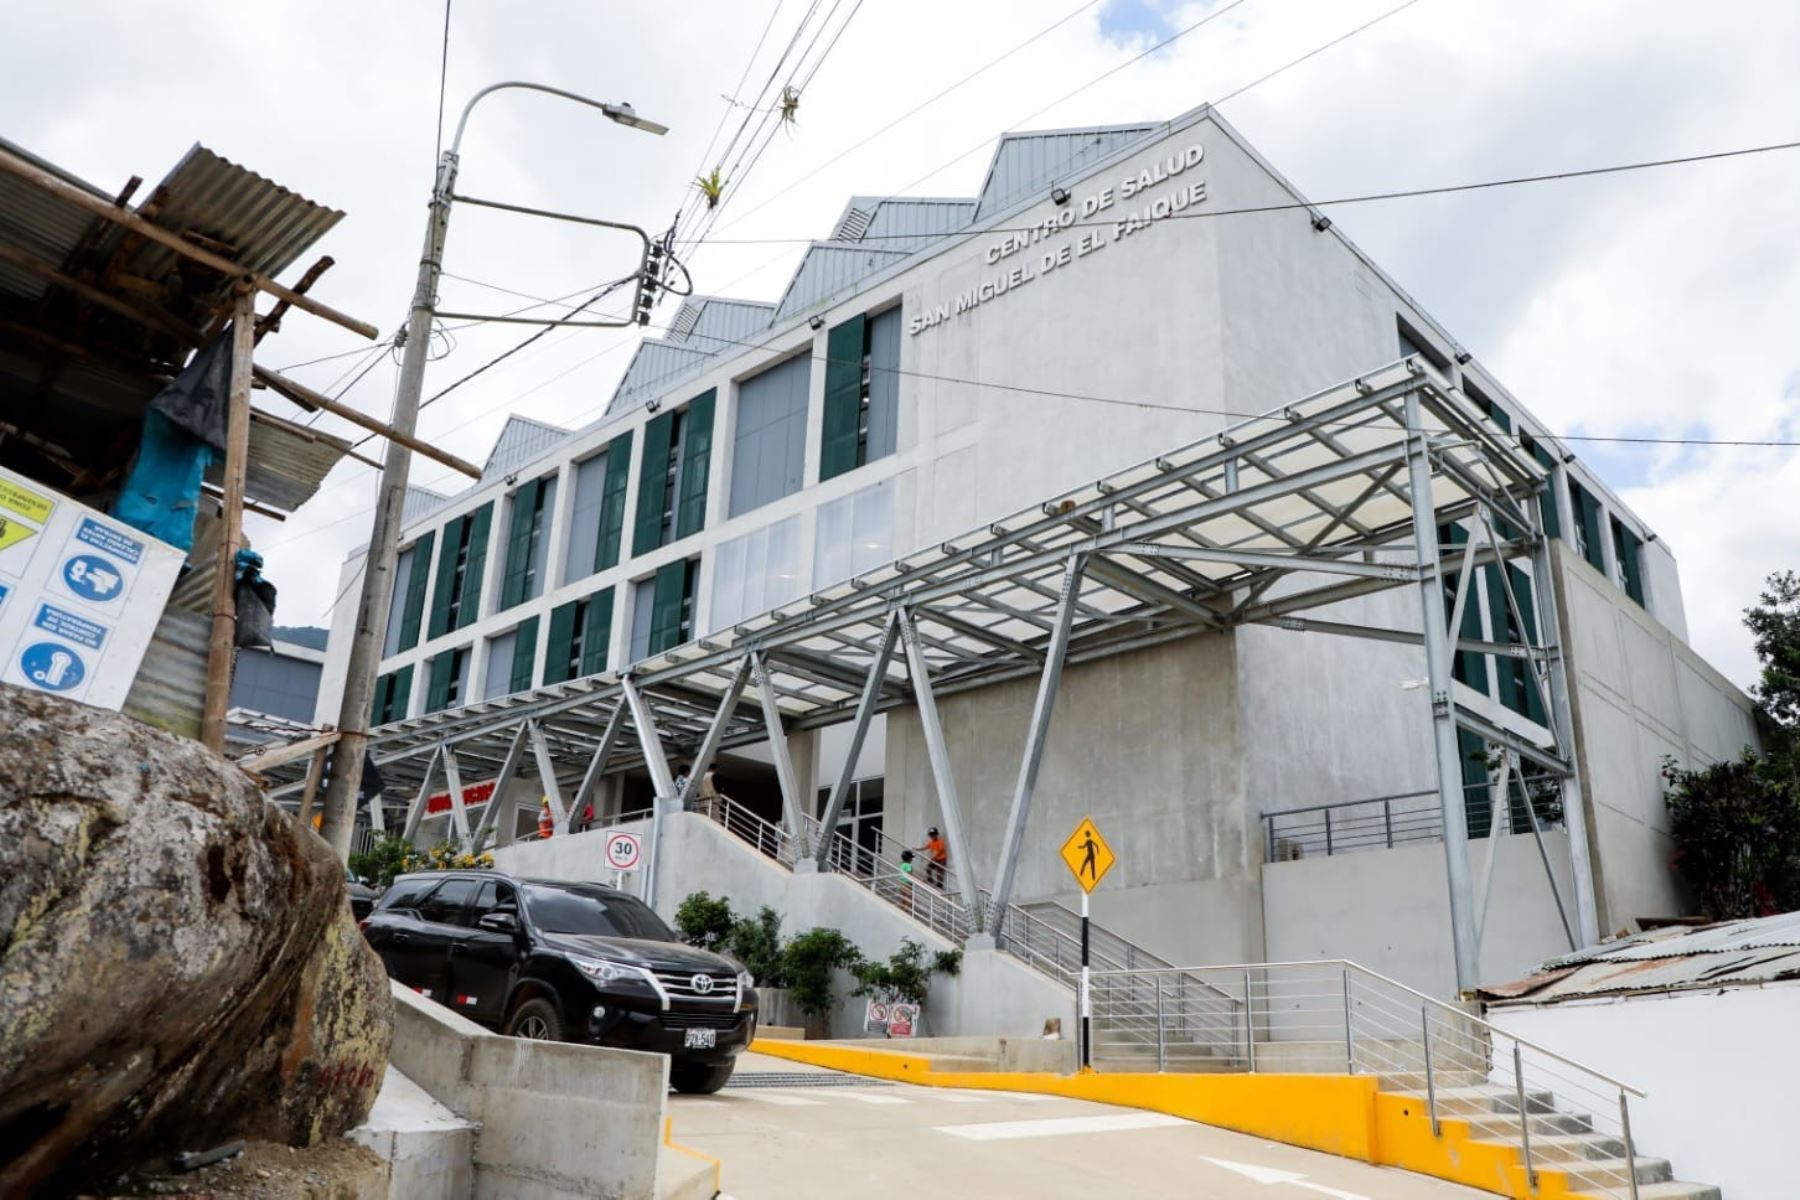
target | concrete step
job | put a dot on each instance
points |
(1560, 1148)
(682, 1175)
(1487, 1098)
(1612, 1173)
(1668, 1190)
(1413, 1082)
(430, 1150)
(1504, 1127)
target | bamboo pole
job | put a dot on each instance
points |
(307, 398)
(237, 451)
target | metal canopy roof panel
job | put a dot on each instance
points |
(1277, 514)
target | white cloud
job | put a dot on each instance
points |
(1656, 303)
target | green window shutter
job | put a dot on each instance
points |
(401, 694)
(1547, 511)
(446, 573)
(443, 672)
(556, 645)
(843, 398)
(1467, 667)
(1627, 547)
(612, 503)
(518, 543)
(598, 634)
(1587, 512)
(479, 522)
(524, 656)
(653, 465)
(1521, 585)
(384, 692)
(414, 609)
(696, 455)
(665, 606)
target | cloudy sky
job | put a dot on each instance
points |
(1652, 304)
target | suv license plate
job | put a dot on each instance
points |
(700, 1039)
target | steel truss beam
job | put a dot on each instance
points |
(859, 730)
(944, 780)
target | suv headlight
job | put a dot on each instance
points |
(746, 981)
(609, 972)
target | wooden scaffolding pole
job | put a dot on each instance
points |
(237, 452)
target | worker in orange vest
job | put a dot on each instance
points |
(546, 823)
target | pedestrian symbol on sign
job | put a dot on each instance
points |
(1087, 855)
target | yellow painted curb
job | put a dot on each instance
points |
(671, 1143)
(1346, 1115)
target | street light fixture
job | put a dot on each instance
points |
(339, 815)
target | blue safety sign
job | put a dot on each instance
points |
(114, 542)
(53, 667)
(65, 624)
(92, 577)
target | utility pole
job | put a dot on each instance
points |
(378, 566)
(339, 817)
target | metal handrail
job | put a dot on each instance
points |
(1461, 1016)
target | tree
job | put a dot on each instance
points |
(385, 858)
(1775, 625)
(756, 943)
(807, 962)
(1737, 832)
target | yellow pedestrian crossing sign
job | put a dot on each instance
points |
(1088, 855)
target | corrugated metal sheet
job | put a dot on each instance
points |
(724, 324)
(654, 362)
(520, 441)
(907, 224)
(287, 462)
(38, 223)
(1732, 953)
(265, 225)
(828, 269)
(171, 682)
(1028, 162)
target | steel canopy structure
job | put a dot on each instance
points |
(1334, 496)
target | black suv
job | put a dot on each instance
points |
(566, 961)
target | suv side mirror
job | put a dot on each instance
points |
(499, 921)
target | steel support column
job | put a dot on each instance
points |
(1443, 713)
(459, 814)
(546, 767)
(416, 813)
(792, 804)
(596, 767)
(1037, 735)
(1562, 724)
(865, 713)
(715, 733)
(490, 819)
(948, 805)
(661, 781)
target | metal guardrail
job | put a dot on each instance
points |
(763, 835)
(1333, 1015)
(1383, 822)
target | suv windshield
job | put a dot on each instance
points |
(561, 910)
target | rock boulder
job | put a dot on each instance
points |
(178, 962)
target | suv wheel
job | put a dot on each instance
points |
(699, 1079)
(537, 1020)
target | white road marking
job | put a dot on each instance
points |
(995, 1131)
(779, 1099)
(868, 1097)
(1291, 1178)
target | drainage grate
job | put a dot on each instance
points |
(788, 1079)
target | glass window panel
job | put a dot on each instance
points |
(769, 447)
(499, 665)
(884, 384)
(831, 543)
(872, 528)
(643, 602)
(403, 568)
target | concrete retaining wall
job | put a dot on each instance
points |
(558, 1121)
(995, 993)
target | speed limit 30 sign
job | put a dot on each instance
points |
(624, 851)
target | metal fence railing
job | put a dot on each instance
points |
(1383, 822)
(1334, 1016)
(763, 835)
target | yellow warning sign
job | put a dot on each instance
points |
(12, 532)
(25, 502)
(1088, 855)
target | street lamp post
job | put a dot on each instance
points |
(378, 566)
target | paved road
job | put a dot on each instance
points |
(883, 1140)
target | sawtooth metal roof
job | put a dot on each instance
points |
(521, 440)
(1677, 958)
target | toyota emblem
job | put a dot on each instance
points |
(702, 984)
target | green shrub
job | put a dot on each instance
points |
(1736, 827)
(807, 962)
(385, 858)
(704, 921)
(905, 976)
(756, 943)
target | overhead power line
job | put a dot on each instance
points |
(1364, 198)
